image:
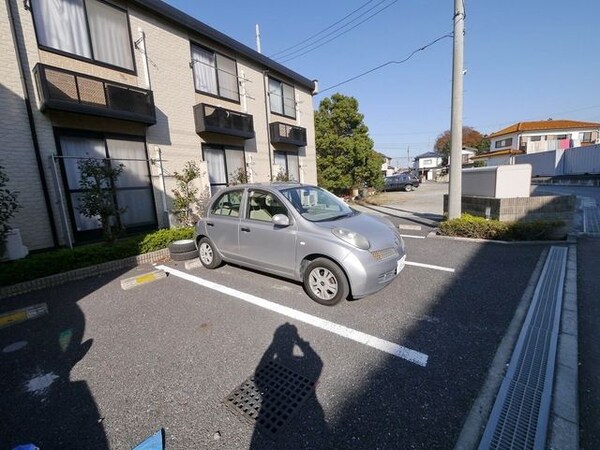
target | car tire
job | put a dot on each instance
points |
(408, 187)
(182, 246)
(325, 282)
(184, 256)
(208, 254)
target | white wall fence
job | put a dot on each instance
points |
(572, 161)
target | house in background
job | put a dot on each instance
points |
(386, 167)
(428, 165)
(142, 84)
(538, 136)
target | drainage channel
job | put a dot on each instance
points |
(519, 419)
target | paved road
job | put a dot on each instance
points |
(108, 367)
(588, 254)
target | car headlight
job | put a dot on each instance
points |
(352, 238)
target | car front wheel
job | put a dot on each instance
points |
(325, 282)
(209, 257)
(408, 187)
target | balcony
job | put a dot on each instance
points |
(63, 90)
(219, 120)
(282, 133)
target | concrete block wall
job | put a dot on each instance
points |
(547, 207)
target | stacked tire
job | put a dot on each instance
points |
(183, 250)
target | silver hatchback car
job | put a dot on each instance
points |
(304, 233)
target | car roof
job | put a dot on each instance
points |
(275, 185)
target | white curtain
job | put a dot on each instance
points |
(110, 34)
(235, 162)
(60, 24)
(293, 167)
(82, 148)
(289, 101)
(215, 160)
(139, 207)
(275, 97)
(135, 173)
(203, 63)
(228, 83)
(279, 159)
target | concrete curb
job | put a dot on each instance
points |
(433, 235)
(84, 272)
(564, 415)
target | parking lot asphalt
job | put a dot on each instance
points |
(106, 367)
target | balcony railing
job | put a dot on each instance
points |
(282, 133)
(215, 119)
(63, 90)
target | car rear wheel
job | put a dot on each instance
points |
(325, 282)
(408, 187)
(209, 257)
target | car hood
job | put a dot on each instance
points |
(379, 233)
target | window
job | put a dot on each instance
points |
(226, 165)
(228, 204)
(504, 143)
(90, 29)
(562, 136)
(133, 187)
(535, 138)
(263, 206)
(214, 73)
(282, 98)
(586, 136)
(427, 162)
(288, 166)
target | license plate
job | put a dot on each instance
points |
(400, 264)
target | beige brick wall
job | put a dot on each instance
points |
(16, 146)
(171, 78)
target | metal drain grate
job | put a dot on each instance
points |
(591, 220)
(269, 397)
(519, 419)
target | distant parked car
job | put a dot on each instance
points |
(403, 181)
(301, 232)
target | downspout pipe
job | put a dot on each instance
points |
(34, 138)
(266, 83)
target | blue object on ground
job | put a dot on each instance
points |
(154, 442)
(26, 447)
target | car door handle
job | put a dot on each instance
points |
(246, 229)
(210, 224)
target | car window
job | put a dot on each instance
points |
(228, 204)
(263, 206)
(316, 204)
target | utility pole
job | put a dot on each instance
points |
(408, 157)
(455, 187)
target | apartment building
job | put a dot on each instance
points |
(144, 85)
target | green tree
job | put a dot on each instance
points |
(98, 182)
(345, 155)
(188, 205)
(471, 138)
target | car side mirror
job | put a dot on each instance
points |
(281, 220)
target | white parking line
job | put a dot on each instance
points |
(430, 266)
(358, 336)
(412, 236)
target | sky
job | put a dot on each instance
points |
(524, 60)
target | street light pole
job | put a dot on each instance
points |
(455, 187)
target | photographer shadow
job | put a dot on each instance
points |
(285, 379)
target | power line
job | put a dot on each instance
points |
(290, 57)
(448, 35)
(322, 31)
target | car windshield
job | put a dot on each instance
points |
(316, 204)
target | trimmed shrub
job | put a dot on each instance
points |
(38, 265)
(480, 228)
(162, 238)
